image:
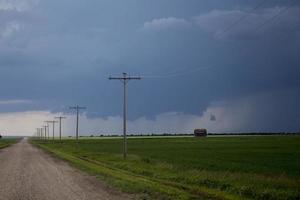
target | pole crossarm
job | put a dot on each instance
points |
(77, 107)
(124, 78)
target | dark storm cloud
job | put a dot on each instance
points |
(60, 54)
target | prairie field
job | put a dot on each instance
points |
(4, 142)
(246, 167)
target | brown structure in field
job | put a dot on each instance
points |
(200, 132)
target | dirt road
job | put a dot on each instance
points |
(27, 173)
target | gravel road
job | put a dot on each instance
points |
(28, 173)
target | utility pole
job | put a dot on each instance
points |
(124, 79)
(42, 135)
(60, 125)
(53, 126)
(45, 128)
(38, 133)
(77, 108)
(48, 130)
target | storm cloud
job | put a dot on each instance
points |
(58, 54)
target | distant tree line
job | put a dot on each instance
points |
(190, 134)
(258, 133)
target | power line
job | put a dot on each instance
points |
(176, 74)
(275, 16)
(77, 108)
(124, 79)
(239, 20)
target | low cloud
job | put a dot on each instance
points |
(15, 101)
(275, 111)
(17, 5)
(8, 29)
(166, 23)
(22, 123)
(16, 16)
(25, 123)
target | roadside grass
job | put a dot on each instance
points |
(5, 142)
(191, 168)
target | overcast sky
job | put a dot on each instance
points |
(229, 66)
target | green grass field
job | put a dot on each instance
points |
(5, 142)
(191, 168)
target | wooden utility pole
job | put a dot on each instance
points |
(60, 118)
(53, 127)
(124, 79)
(77, 108)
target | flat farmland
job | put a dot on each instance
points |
(247, 167)
(5, 142)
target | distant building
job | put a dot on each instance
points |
(200, 132)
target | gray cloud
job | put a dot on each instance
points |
(166, 23)
(17, 5)
(264, 112)
(254, 24)
(61, 53)
(15, 101)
